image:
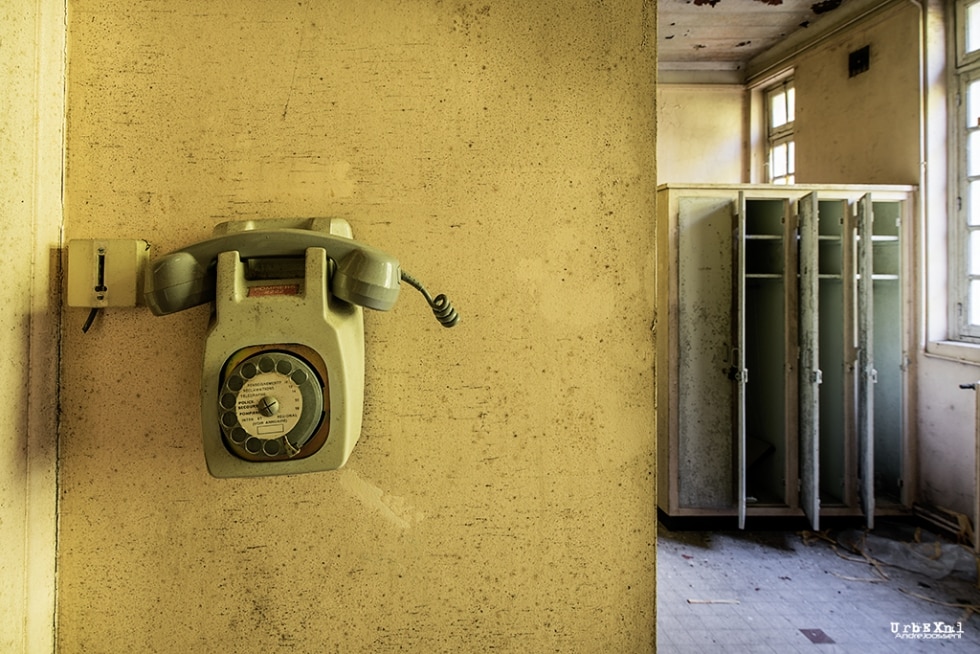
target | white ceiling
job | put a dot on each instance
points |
(725, 34)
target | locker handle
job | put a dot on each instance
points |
(736, 376)
(818, 376)
(734, 372)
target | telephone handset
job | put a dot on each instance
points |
(282, 385)
(186, 278)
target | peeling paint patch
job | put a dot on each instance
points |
(712, 3)
(742, 44)
(394, 509)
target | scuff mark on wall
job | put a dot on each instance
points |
(394, 509)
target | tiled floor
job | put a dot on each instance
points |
(769, 591)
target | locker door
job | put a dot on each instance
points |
(705, 332)
(810, 375)
(867, 375)
(738, 358)
(888, 359)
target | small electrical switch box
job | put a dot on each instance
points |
(106, 272)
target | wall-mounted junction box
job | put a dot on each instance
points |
(106, 272)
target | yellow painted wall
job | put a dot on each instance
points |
(501, 495)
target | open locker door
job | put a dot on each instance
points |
(867, 375)
(810, 375)
(738, 358)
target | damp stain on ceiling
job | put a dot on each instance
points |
(728, 33)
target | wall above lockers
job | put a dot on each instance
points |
(850, 130)
(702, 134)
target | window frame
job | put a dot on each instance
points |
(784, 134)
(964, 73)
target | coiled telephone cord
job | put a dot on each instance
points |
(441, 306)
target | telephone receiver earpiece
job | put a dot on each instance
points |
(367, 280)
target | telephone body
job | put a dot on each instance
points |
(282, 387)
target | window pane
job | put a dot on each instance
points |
(777, 161)
(973, 104)
(790, 104)
(777, 104)
(791, 158)
(974, 302)
(973, 27)
(973, 153)
(973, 254)
(972, 207)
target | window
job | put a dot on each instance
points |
(780, 114)
(965, 213)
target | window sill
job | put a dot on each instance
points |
(959, 351)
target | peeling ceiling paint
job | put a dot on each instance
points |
(825, 6)
(730, 32)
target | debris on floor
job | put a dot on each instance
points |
(931, 558)
(926, 554)
(956, 525)
(751, 591)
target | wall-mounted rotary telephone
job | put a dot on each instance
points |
(283, 380)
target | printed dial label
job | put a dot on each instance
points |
(269, 384)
